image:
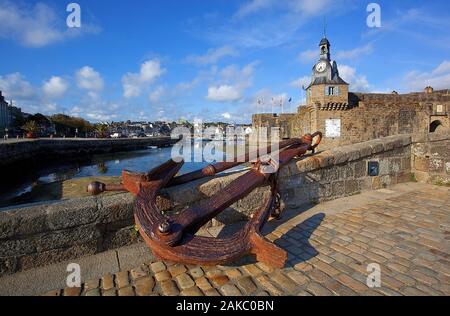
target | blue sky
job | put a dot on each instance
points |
(210, 59)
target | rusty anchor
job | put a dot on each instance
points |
(173, 238)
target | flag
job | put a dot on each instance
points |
(290, 99)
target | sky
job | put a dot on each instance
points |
(213, 60)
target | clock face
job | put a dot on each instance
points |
(320, 67)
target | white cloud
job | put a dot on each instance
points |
(231, 83)
(354, 53)
(358, 83)
(14, 86)
(55, 87)
(305, 7)
(281, 21)
(156, 94)
(224, 93)
(101, 116)
(300, 82)
(226, 115)
(134, 82)
(90, 80)
(308, 56)
(212, 56)
(310, 7)
(438, 78)
(253, 6)
(36, 26)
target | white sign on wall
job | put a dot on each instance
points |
(333, 128)
(440, 108)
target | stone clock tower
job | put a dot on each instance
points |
(327, 90)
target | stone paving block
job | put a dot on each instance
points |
(252, 269)
(303, 292)
(318, 290)
(184, 281)
(284, 282)
(397, 267)
(110, 292)
(352, 283)
(93, 292)
(429, 290)
(213, 272)
(219, 280)
(72, 291)
(176, 269)
(196, 272)
(303, 266)
(338, 288)
(423, 278)
(163, 276)
(168, 288)
(157, 267)
(122, 279)
(298, 277)
(411, 291)
(107, 282)
(230, 290)
(192, 291)
(211, 292)
(326, 268)
(139, 272)
(91, 284)
(203, 283)
(318, 276)
(233, 273)
(144, 286)
(126, 291)
(246, 285)
(266, 284)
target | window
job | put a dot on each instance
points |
(330, 90)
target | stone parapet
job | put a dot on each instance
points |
(430, 157)
(41, 234)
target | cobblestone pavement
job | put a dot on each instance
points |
(407, 235)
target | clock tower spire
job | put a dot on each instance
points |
(327, 89)
(325, 53)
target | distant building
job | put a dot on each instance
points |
(347, 117)
(5, 114)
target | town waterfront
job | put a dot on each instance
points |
(40, 184)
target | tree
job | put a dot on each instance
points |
(30, 127)
(65, 124)
(100, 130)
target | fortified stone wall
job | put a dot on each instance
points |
(282, 121)
(42, 234)
(371, 116)
(431, 158)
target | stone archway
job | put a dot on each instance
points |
(435, 126)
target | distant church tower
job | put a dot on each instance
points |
(327, 90)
